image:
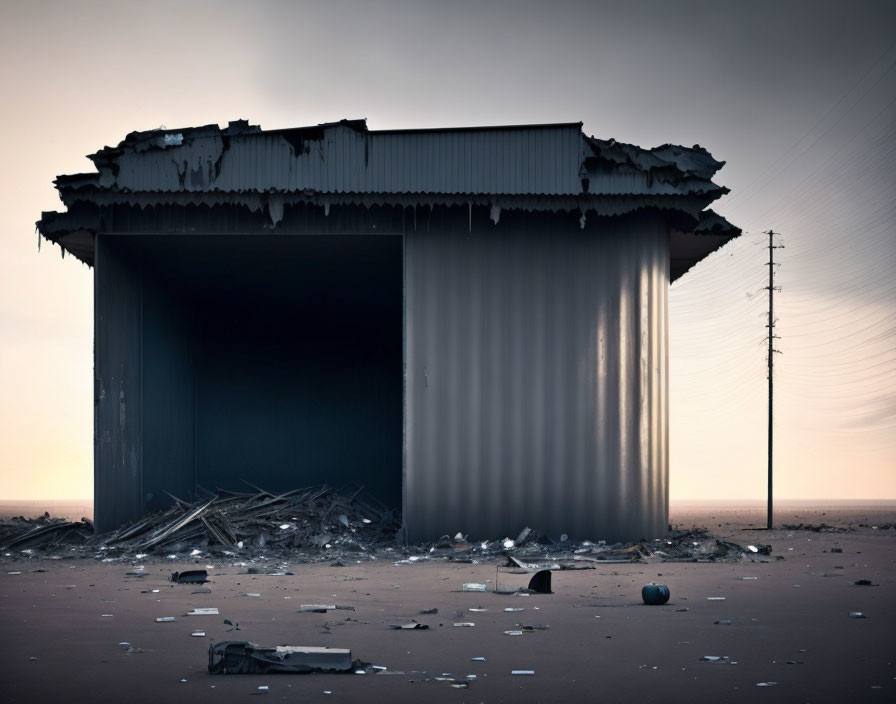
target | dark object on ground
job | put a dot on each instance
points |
(429, 611)
(655, 594)
(190, 577)
(234, 657)
(541, 582)
(864, 583)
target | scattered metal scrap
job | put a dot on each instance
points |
(816, 527)
(190, 577)
(541, 582)
(240, 657)
(411, 626)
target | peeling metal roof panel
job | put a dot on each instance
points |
(342, 159)
(345, 157)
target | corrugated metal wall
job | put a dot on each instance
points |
(536, 377)
(118, 386)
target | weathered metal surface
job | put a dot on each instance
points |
(118, 402)
(536, 378)
(168, 392)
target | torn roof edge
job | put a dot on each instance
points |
(73, 231)
(693, 161)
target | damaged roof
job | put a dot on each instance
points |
(553, 167)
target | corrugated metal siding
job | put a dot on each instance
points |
(118, 453)
(536, 373)
(536, 160)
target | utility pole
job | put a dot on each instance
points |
(771, 355)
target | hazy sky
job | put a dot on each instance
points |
(798, 97)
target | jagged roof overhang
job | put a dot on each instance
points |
(527, 167)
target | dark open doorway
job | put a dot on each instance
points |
(277, 358)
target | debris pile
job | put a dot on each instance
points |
(22, 533)
(319, 517)
(531, 551)
(325, 523)
(315, 517)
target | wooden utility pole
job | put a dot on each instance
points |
(771, 356)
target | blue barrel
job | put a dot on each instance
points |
(655, 594)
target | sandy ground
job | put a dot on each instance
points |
(790, 625)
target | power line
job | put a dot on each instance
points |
(824, 117)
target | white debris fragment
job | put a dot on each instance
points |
(198, 634)
(465, 624)
(475, 586)
(203, 611)
(522, 672)
(165, 619)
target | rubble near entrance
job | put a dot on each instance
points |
(322, 523)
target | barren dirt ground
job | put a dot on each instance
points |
(64, 620)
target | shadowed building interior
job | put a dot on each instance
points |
(472, 323)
